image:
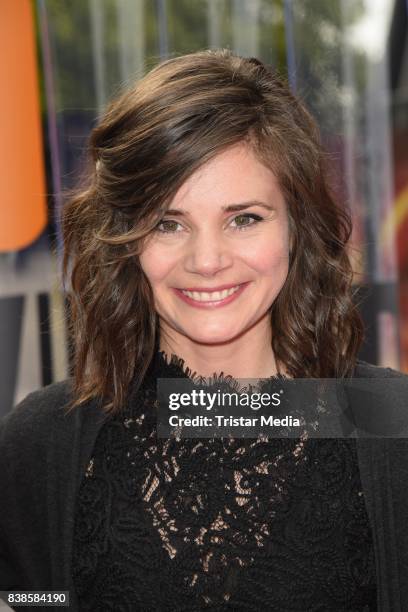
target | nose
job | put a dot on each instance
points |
(208, 254)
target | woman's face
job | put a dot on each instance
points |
(219, 258)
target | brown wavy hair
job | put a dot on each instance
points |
(148, 142)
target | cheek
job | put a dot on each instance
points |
(269, 256)
(156, 264)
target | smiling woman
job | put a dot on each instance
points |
(204, 244)
(171, 163)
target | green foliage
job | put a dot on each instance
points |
(73, 48)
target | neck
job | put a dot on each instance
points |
(247, 356)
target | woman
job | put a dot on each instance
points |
(205, 244)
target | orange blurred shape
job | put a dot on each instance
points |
(23, 214)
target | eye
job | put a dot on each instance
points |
(246, 220)
(167, 226)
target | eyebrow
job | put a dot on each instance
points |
(229, 208)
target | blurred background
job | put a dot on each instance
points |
(62, 60)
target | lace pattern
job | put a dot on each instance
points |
(219, 524)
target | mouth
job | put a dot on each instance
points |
(211, 298)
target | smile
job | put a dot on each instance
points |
(211, 299)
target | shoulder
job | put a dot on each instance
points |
(377, 397)
(39, 412)
(43, 403)
(384, 382)
(368, 370)
(47, 399)
(43, 419)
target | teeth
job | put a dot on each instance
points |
(214, 296)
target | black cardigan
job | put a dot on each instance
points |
(44, 453)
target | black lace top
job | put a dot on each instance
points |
(219, 524)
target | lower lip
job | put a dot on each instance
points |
(213, 304)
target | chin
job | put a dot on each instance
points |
(213, 337)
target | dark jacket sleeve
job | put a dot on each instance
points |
(384, 474)
(27, 499)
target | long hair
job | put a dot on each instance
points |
(149, 141)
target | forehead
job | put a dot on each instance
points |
(232, 176)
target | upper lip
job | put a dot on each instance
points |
(210, 289)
